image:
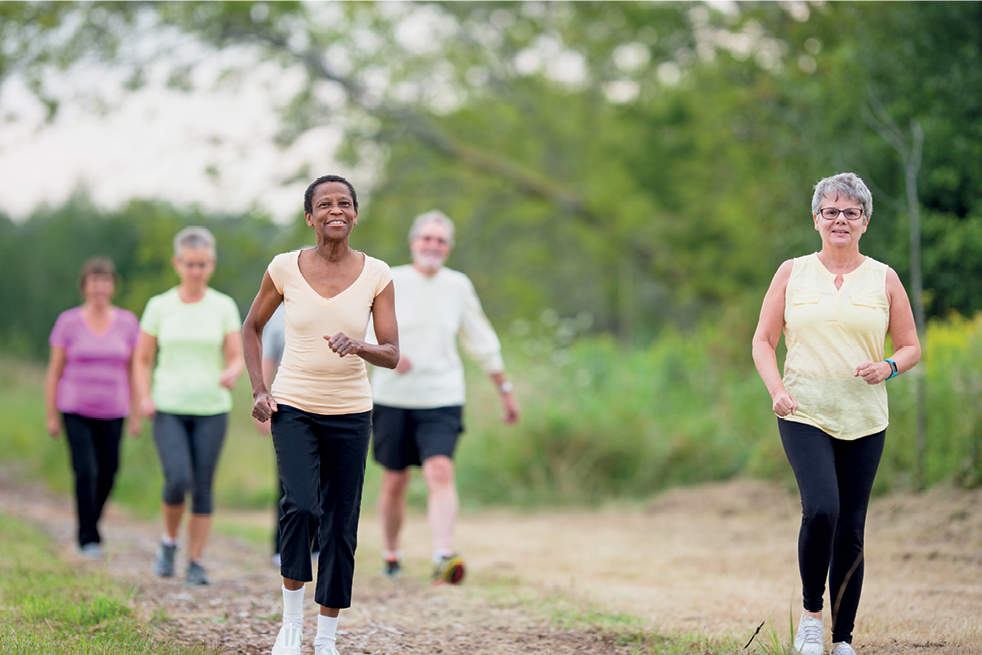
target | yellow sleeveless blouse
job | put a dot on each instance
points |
(828, 332)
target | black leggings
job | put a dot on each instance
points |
(94, 445)
(835, 478)
(189, 447)
(322, 469)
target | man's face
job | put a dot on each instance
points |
(430, 247)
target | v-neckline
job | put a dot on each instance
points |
(88, 326)
(333, 299)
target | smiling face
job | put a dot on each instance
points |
(194, 266)
(98, 289)
(840, 231)
(334, 214)
(430, 247)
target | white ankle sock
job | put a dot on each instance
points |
(327, 630)
(293, 604)
(440, 553)
(168, 541)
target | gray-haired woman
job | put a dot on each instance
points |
(193, 331)
(835, 308)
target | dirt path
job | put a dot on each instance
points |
(716, 560)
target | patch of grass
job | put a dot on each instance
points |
(50, 606)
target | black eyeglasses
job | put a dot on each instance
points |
(831, 213)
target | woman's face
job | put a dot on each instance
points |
(98, 289)
(430, 247)
(840, 231)
(334, 214)
(194, 266)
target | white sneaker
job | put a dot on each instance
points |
(808, 640)
(289, 638)
(843, 649)
(327, 650)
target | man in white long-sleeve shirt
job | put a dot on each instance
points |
(418, 406)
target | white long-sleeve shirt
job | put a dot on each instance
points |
(433, 311)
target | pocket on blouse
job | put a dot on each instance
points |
(864, 301)
(803, 298)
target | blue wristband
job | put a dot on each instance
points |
(893, 367)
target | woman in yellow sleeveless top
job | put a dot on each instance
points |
(835, 308)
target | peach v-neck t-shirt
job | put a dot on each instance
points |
(828, 333)
(311, 376)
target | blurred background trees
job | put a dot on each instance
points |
(628, 169)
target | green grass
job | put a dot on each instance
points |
(50, 606)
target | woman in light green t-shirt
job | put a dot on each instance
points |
(193, 331)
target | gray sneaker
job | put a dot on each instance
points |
(196, 575)
(843, 649)
(91, 550)
(164, 566)
(808, 640)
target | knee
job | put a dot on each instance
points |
(304, 509)
(175, 488)
(438, 471)
(394, 485)
(823, 516)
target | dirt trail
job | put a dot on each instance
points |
(716, 560)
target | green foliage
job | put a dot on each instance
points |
(51, 606)
(45, 252)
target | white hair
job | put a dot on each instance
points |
(194, 238)
(432, 216)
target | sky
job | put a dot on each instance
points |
(212, 147)
(156, 144)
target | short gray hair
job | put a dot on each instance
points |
(843, 184)
(194, 238)
(432, 216)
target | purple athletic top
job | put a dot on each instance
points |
(95, 382)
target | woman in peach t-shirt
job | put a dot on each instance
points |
(320, 405)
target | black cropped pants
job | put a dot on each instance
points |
(321, 459)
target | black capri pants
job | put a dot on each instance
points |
(321, 459)
(835, 478)
(188, 447)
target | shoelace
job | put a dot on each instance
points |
(813, 632)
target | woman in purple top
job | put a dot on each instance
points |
(88, 382)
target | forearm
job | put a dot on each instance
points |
(906, 357)
(51, 395)
(765, 359)
(141, 380)
(385, 355)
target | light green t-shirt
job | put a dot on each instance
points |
(190, 339)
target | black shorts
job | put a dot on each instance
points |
(407, 437)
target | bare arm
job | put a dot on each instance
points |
(265, 303)
(768, 334)
(135, 426)
(903, 332)
(508, 401)
(56, 367)
(143, 357)
(232, 351)
(386, 353)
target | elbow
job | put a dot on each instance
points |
(393, 360)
